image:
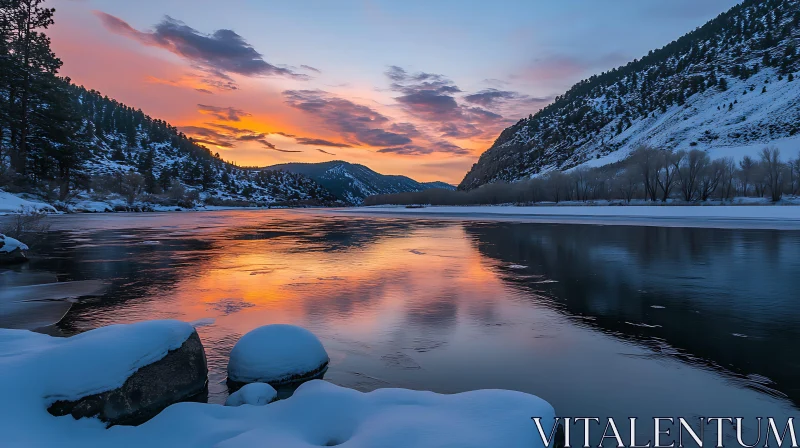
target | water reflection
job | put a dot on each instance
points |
(719, 298)
(607, 321)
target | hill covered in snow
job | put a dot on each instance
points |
(128, 160)
(727, 87)
(353, 183)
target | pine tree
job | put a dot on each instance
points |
(27, 55)
(60, 137)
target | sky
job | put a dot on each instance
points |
(414, 87)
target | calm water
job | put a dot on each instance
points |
(598, 320)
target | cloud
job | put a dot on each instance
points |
(195, 82)
(218, 54)
(431, 98)
(202, 141)
(441, 146)
(321, 142)
(490, 97)
(310, 68)
(229, 138)
(412, 83)
(207, 136)
(405, 128)
(223, 113)
(325, 152)
(357, 123)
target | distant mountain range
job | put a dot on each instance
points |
(352, 183)
(726, 87)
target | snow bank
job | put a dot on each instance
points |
(717, 216)
(36, 369)
(8, 245)
(10, 203)
(256, 394)
(276, 354)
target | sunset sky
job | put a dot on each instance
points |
(414, 87)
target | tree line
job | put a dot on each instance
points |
(649, 174)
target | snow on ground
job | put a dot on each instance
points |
(36, 370)
(10, 203)
(8, 244)
(716, 216)
(256, 394)
(275, 354)
(707, 122)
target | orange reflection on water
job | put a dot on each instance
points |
(366, 289)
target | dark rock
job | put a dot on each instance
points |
(286, 387)
(182, 375)
(14, 257)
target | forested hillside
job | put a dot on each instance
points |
(79, 149)
(725, 86)
(352, 183)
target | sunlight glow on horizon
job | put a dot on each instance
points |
(465, 73)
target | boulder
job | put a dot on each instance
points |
(277, 355)
(181, 375)
(256, 394)
(12, 251)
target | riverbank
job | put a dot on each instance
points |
(713, 216)
(12, 204)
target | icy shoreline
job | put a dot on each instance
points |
(712, 216)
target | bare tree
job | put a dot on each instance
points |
(746, 168)
(692, 166)
(771, 160)
(627, 183)
(558, 186)
(727, 190)
(133, 186)
(647, 160)
(667, 171)
(580, 178)
(709, 179)
(794, 176)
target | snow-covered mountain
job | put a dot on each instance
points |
(353, 182)
(727, 87)
(129, 160)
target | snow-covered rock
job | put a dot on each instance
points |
(12, 250)
(256, 394)
(119, 373)
(8, 245)
(37, 370)
(277, 354)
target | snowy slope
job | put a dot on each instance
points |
(727, 88)
(353, 182)
(10, 203)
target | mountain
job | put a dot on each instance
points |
(727, 87)
(352, 183)
(80, 150)
(126, 158)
